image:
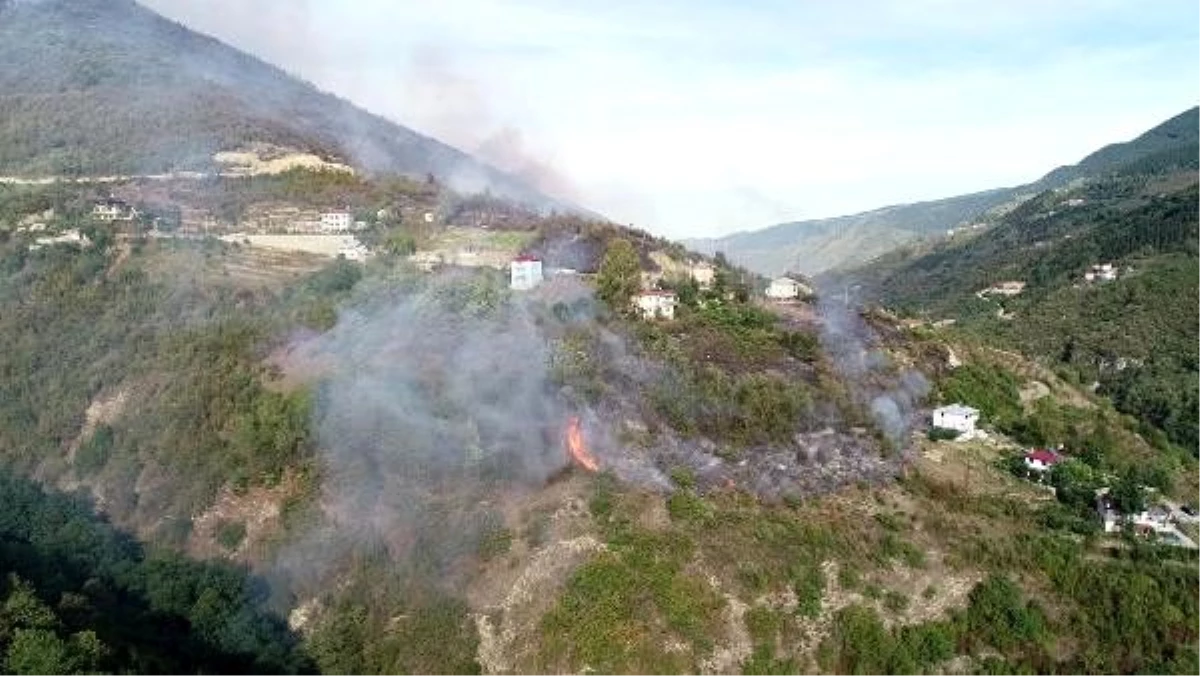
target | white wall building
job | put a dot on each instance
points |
(71, 236)
(1104, 272)
(1041, 459)
(655, 304)
(703, 274)
(956, 417)
(785, 288)
(1011, 288)
(336, 221)
(354, 250)
(113, 210)
(526, 273)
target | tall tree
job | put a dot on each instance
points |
(620, 274)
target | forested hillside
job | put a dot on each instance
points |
(81, 597)
(1135, 336)
(103, 87)
(812, 247)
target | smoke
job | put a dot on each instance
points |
(446, 386)
(438, 403)
(449, 105)
(892, 395)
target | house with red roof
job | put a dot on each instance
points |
(1041, 459)
(526, 272)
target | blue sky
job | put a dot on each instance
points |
(696, 118)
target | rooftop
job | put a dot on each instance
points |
(1044, 456)
(957, 409)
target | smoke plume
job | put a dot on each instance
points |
(456, 108)
(892, 395)
(438, 402)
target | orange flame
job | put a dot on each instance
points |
(575, 448)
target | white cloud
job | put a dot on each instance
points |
(693, 118)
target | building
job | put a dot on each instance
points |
(336, 221)
(655, 304)
(353, 250)
(526, 273)
(956, 417)
(1154, 520)
(1011, 288)
(786, 288)
(426, 261)
(703, 274)
(71, 236)
(1041, 459)
(1103, 272)
(113, 210)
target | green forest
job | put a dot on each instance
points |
(1135, 336)
(80, 596)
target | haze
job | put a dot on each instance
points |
(701, 118)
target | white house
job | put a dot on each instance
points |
(1104, 272)
(703, 274)
(1041, 459)
(1010, 288)
(71, 236)
(336, 221)
(1156, 519)
(785, 288)
(113, 210)
(654, 304)
(956, 417)
(526, 273)
(353, 250)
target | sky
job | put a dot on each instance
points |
(695, 118)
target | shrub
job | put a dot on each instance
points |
(997, 617)
(230, 534)
(942, 434)
(92, 455)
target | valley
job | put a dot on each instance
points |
(281, 392)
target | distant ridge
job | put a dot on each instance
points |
(816, 246)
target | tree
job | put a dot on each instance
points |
(1127, 495)
(620, 274)
(400, 243)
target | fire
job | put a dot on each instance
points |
(577, 450)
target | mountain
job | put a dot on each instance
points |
(811, 247)
(101, 87)
(1134, 335)
(815, 246)
(379, 466)
(224, 448)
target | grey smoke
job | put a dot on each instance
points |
(437, 405)
(451, 105)
(892, 396)
(423, 392)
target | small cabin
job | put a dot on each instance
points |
(956, 417)
(526, 273)
(656, 304)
